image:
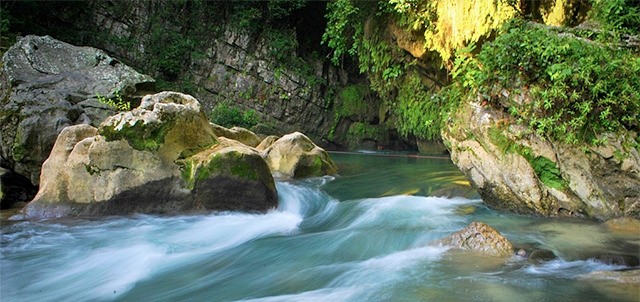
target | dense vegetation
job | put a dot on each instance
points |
(561, 86)
(569, 84)
(226, 115)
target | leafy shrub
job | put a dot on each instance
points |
(618, 15)
(117, 103)
(224, 114)
(573, 89)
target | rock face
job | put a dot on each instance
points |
(520, 172)
(480, 237)
(47, 85)
(14, 189)
(295, 155)
(162, 157)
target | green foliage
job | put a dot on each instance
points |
(421, 112)
(573, 89)
(548, 172)
(117, 103)
(621, 16)
(351, 101)
(362, 131)
(171, 50)
(340, 31)
(282, 45)
(224, 114)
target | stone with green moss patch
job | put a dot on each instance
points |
(141, 136)
(546, 170)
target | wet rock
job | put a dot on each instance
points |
(480, 237)
(161, 157)
(524, 173)
(295, 155)
(620, 276)
(46, 85)
(617, 259)
(624, 225)
(540, 256)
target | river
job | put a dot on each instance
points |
(367, 234)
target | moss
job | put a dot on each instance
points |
(546, 170)
(186, 173)
(351, 101)
(141, 136)
(360, 131)
(195, 169)
(18, 152)
(244, 170)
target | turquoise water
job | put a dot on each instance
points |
(367, 234)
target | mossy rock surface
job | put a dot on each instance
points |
(160, 158)
(516, 170)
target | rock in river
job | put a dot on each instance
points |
(513, 169)
(162, 157)
(480, 237)
(295, 155)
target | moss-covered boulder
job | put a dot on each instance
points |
(516, 170)
(295, 155)
(161, 157)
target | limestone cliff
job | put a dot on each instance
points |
(525, 173)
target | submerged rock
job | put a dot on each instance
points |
(47, 85)
(623, 276)
(161, 157)
(516, 171)
(480, 237)
(295, 155)
(541, 255)
(625, 225)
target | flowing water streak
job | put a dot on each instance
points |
(355, 245)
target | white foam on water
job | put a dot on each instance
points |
(408, 211)
(569, 269)
(320, 295)
(106, 264)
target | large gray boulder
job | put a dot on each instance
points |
(47, 85)
(162, 157)
(522, 172)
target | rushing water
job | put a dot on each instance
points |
(365, 235)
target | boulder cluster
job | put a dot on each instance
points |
(164, 157)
